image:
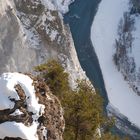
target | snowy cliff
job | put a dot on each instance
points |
(115, 36)
(31, 32)
(28, 110)
(127, 48)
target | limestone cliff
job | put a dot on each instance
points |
(31, 32)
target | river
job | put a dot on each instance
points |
(80, 23)
(80, 18)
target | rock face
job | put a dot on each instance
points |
(28, 110)
(31, 32)
(53, 117)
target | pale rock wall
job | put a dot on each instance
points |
(31, 32)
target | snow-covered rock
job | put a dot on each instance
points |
(28, 110)
(62, 5)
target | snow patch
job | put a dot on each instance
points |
(60, 5)
(136, 42)
(13, 129)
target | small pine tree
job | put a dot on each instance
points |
(55, 77)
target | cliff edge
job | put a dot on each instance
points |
(28, 110)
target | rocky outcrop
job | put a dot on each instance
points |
(52, 119)
(28, 110)
(31, 32)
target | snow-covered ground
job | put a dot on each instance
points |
(103, 35)
(8, 94)
(60, 5)
(136, 42)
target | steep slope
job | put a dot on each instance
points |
(28, 110)
(104, 35)
(31, 32)
(126, 56)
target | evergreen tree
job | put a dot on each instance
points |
(55, 77)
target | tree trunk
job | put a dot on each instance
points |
(77, 128)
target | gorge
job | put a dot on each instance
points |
(80, 18)
(34, 31)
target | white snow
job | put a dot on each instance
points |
(136, 42)
(50, 17)
(53, 34)
(3, 6)
(13, 129)
(60, 5)
(48, 4)
(30, 35)
(17, 112)
(103, 34)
